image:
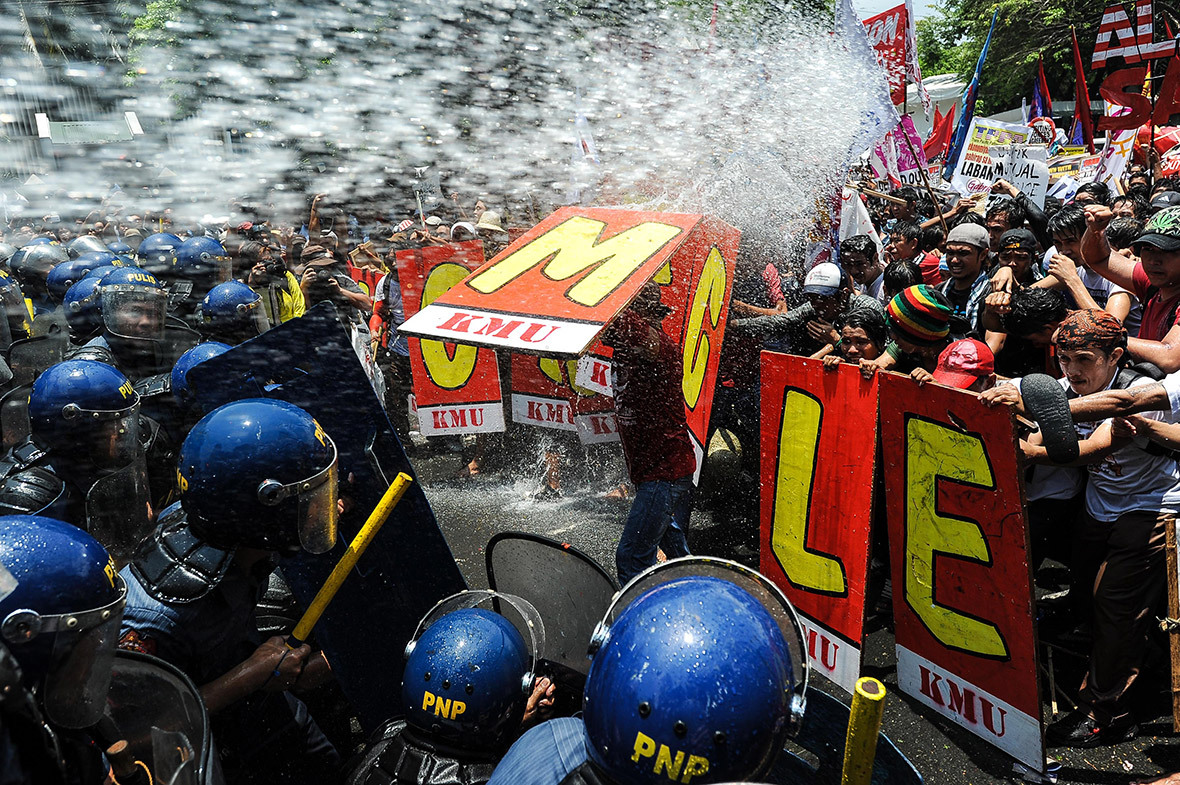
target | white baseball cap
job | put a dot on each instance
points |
(824, 279)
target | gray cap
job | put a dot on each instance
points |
(971, 234)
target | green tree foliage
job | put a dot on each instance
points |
(950, 42)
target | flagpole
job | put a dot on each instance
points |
(925, 182)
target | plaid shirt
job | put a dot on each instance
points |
(979, 292)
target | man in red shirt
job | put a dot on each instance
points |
(1155, 280)
(652, 427)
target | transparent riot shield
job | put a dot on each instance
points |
(178, 339)
(14, 416)
(28, 357)
(159, 713)
(118, 510)
(51, 323)
(568, 588)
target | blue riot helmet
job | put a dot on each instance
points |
(469, 670)
(82, 311)
(86, 243)
(698, 661)
(120, 247)
(61, 604)
(6, 252)
(157, 252)
(32, 267)
(100, 272)
(86, 415)
(193, 357)
(42, 241)
(232, 312)
(260, 473)
(202, 256)
(66, 274)
(134, 307)
(96, 259)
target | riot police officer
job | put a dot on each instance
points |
(258, 479)
(157, 253)
(59, 618)
(231, 312)
(697, 665)
(81, 306)
(133, 306)
(83, 461)
(467, 688)
(200, 263)
(30, 266)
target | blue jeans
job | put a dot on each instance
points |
(658, 519)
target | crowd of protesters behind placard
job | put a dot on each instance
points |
(970, 293)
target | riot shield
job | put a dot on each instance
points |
(158, 711)
(28, 357)
(825, 724)
(570, 591)
(14, 416)
(51, 323)
(310, 362)
(118, 511)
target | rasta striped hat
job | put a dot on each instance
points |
(920, 315)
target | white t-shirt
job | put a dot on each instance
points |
(1101, 290)
(1131, 479)
(1051, 482)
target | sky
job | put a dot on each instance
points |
(867, 8)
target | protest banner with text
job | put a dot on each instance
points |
(456, 386)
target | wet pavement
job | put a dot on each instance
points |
(472, 510)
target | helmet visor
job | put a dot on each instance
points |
(517, 610)
(134, 313)
(255, 316)
(112, 438)
(754, 583)
(16, 313)
(79, 672)
(317, 508)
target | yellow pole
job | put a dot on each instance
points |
(364, 537)
(864, 725)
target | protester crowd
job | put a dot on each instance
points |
(124, 498)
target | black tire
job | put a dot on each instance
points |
(1045, 402)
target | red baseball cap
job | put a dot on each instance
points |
(963, 362)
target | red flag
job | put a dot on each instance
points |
(1082, 95)
(940, 135)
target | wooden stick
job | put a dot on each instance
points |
(864, 726)
(926, 183)
(878, 194)
(1174, 613)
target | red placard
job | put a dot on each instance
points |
(556, 288)
(819, 440)
(366, 277)
(962, 587)
(456, 386)
(545, 394)
(886, 34)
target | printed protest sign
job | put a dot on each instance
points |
(893, 158)
(975, 171)
(1025, 167)
(886, 33)
(557, 287)
(545, 394)
(817, 499)
(456, 386)
(962, 586)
